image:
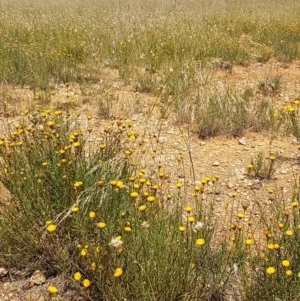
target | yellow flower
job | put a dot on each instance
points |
(92, 214)
(52, 290)
(200, 242)
(77, 276)
(248, 242)
(250, 166)
(150, 198)
(77, 184)
(76, 144)
(83, 252)
(286, 263)
(93, 266)
(289, 232)
(270, 270)
(270, 246)
(179, 184)
(127, 229)
(51, 228)
(74, 209)
(142, 180)
(188, 209)
(181, 228)
(240, 215)
(134, 194)
(197, 188)
(272, 157)
(142, 208)
(120, 184)
(161, 174)
(86, 283)
(280, 225)
(191, 219)
(118, 272)
(101, 225)
(289, 272)
(51, 123)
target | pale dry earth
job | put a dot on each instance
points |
(176, 146)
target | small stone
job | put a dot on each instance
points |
(242, 141)
(231, 184)
(216, 163)
(37, 278)
(162, 139)
(3, 272)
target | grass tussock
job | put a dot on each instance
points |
(117, 229)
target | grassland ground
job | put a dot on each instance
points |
(177, 147)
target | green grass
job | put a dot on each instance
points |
(164, 48)
(79, 207)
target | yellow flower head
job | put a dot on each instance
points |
(286, 263)
(120, 184)
(188, 209)
(77, 184)
(74, 209)
(142, 208)
(289, 232)
(191, 219)
(150, 199)
(181, 228)
(200, 242)
(118, 272)
(248, 242)
(51, 228)
(240, 215)
(77, 276)
(101, 225)
(127, 229)
(134, 194)
(179, 184)
(270, 270)
(92, 214)
(83, 252)
(289, 272)
(86, 283)
(52, 290)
